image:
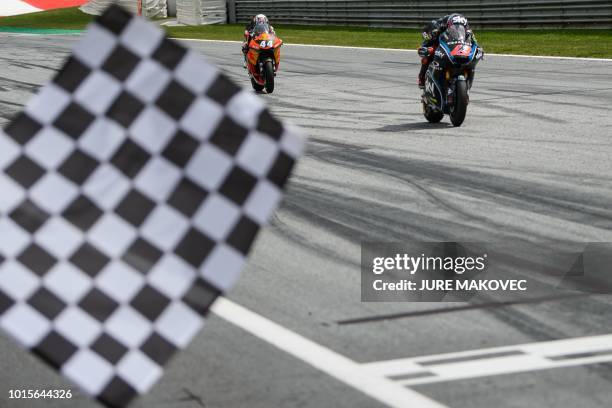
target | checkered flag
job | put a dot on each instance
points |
(131, 190)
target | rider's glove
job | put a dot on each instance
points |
(423, 52)
(480, 53)
(470, 36)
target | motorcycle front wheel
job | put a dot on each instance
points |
(459, 109)
(432, 115)
(256, 86)
(269, 76)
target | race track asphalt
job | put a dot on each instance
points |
(532, 163)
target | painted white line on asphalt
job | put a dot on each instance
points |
(349, 372)
(569, 346)
(406, 50)
(551, 57)
(492, 361)
(204, 40)
(498, 366)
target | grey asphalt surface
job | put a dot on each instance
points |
(531, 163)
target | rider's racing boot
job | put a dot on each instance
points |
(421, 77)
(245, 49)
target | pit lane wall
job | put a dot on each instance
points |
(412, 14)
(196, 12)
(189, 12)
(148, 8)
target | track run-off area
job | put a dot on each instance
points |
(531, 163)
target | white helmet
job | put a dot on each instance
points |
(261, 19)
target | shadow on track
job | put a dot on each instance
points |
(414, 126)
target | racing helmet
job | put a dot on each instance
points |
(456, 18)
(427, 32)
(261, 19)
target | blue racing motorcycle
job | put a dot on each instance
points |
(450, 76)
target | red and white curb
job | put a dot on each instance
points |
(15, 7)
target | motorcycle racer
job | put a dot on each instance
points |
(259, 19)
(431, 34)
(261, 53)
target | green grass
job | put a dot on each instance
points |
(569, 43)
(566, 43)
(64, 19)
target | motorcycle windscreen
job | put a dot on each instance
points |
(454, 34)
(261, 29)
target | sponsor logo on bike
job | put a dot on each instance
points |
(429, 87)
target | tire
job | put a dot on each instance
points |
(256, 86)
(458, 111)
(269, 76)
(432, 116)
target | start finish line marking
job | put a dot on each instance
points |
(387, 381)
(495, 361)
(378, 387)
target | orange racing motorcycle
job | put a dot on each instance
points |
(263, 57)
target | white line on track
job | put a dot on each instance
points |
(349, 372)
(496, 361)
(406, 50)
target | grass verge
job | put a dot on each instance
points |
(567, 42)
(61, 19)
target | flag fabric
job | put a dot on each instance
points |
(131, 190)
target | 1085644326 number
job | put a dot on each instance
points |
(38, 394)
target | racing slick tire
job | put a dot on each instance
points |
(459, 109)
(269, 76)
(256, 86)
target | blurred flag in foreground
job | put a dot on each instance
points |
(131, 190)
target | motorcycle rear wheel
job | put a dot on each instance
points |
(256, 86)
(432, 116)
(458, 111)
(269, 76)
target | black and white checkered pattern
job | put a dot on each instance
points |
(131, 190)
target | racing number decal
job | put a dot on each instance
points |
(461, 50)
(266, 44)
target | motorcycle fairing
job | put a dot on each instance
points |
(452, 56)
(433, 89)
(257, 51)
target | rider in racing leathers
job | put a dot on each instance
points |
(431, 34)
(248, 31)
